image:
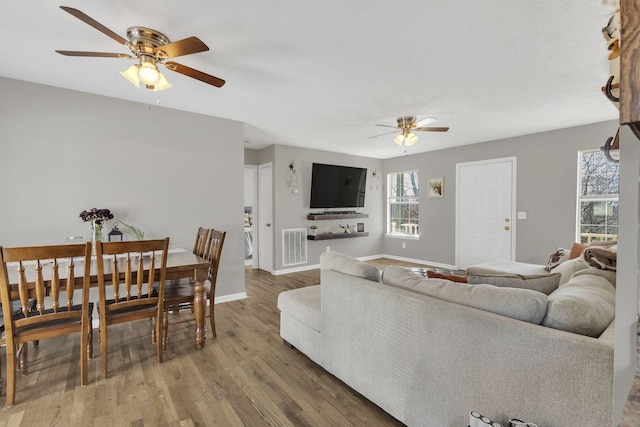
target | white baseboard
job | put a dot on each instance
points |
(230, 297)
(295, 270)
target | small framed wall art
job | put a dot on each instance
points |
(436, 186)
(360, 227)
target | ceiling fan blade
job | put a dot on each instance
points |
(199, 75)
(98, 54)
(95, 24)
(388, 126)
(426, 121)
(431, 129)
(182, 47)
(386, 133)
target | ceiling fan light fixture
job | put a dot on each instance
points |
(132, 75)
(162, 84)
(399, 139)
(410, 139)
(149, 74)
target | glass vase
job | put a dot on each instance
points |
(96, 235)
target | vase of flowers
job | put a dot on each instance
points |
(97, 217)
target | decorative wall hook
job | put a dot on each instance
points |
(376, 178)
(611, 148)
(293, 179)
(607, 90)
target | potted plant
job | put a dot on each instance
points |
(314, 230)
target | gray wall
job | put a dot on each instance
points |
(546, 191)
(162, 170)
(291, 209)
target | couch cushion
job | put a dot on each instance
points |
(607, 274)
(509, 267)
(347, 265)
(567, 268)
(545, 283)
(585, 305)
(303, 304)
(522, 304)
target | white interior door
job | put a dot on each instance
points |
(251, 200)
(485, 206)
(265, 217)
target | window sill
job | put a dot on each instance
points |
(403, 236)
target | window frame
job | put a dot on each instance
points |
(605, 197)
(414, 200)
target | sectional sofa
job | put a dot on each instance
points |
(429, 351)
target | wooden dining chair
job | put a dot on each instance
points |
(126, 274)
(46, 273)
(179, 294)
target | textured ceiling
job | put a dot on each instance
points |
(322, 74)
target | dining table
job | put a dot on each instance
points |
(181, 264)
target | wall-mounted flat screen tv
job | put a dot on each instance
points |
(334, 186)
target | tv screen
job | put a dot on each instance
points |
(335, 186)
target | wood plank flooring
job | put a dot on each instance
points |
(244, 377)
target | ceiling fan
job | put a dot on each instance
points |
(150, 48)
(406, 126)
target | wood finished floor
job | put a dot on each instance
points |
(245, 377)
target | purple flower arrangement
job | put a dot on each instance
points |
(96, 215)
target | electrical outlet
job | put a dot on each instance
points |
(522, 215)
(404, 245)
(328, 248)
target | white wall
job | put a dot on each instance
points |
(164, 171)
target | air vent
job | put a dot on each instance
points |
(294, 246)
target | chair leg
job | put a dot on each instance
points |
(1, 383)
(211, 317)
(22, 354)
(165, 330)
(103, 349)
(11, 375)
(84, 353)
(90, 339)
(154, 338)
(160, 334)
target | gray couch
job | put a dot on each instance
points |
(429, 351)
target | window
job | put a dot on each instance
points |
(598, 188)
(402, 204)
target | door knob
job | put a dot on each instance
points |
(506, 227)
(507, 220)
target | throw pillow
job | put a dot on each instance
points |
(453, 277)
(545, 283)
(557, 258)
(576, 250)
(585, 305)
